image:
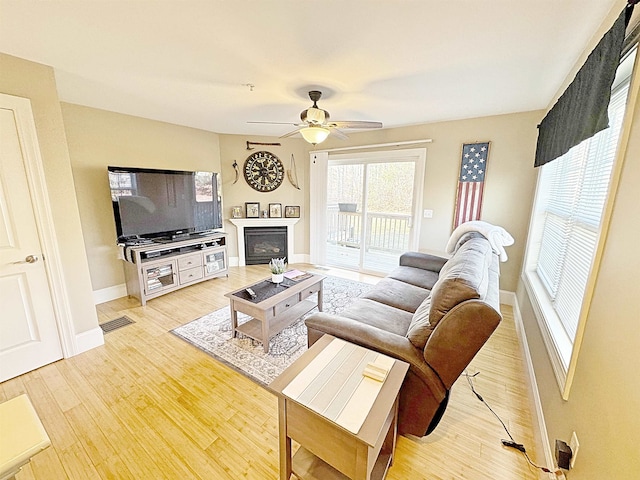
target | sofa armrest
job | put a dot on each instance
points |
(368, 336)
(424, 261)
(457, 338)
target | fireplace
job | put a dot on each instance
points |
(242, 223)
(261, 244)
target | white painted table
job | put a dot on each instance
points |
(22, 435)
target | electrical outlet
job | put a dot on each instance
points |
(575, 445)
(428, 214)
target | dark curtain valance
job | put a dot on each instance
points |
(581, 111)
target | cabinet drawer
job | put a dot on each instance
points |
(286, 305)
(310, 291)
(189, 261)
(190, 275)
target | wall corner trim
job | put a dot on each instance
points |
(88, 340)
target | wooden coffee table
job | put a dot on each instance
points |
(276, 307)
(345, 425)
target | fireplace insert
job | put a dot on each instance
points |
(261, 244)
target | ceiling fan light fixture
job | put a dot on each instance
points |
(314, 135)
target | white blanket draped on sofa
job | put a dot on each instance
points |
(498, 237)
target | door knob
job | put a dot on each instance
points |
(28, 259)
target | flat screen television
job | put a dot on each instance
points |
(153, 204)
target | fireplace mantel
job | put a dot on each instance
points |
(241, 223)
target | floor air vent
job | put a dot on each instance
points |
(115, 324)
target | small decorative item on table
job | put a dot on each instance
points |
(292, 211)
(277, 266)
(252, 209)
(297, 275)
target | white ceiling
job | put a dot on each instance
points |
(400, 62)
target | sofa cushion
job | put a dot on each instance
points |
(397, 294)
(415, 276)
(462, 278)
(379, 315)
(420, 328)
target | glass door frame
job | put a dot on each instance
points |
(318, 172)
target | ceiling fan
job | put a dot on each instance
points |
(316, 123)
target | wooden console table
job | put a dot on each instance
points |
(338, 449)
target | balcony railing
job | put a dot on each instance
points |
(388, 232)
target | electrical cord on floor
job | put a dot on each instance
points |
(511, 443)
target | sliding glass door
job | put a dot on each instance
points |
(370, 209)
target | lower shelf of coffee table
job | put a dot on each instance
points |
(306, 466)
(253, 328)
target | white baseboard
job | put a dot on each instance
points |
(109, 293)
(90, 339)
(507, 298)
(540, 427)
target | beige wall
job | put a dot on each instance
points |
(97, 139)
(37, 83)
(234, 147)
(510, 180)
(604, 400)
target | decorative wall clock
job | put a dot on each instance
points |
(263, 171)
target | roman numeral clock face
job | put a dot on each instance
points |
(263, 171)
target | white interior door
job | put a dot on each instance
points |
(28, 329)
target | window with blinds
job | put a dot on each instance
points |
(575, 188)
(570, 199)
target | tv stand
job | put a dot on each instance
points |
(153, 269)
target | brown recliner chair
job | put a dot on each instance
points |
(432, 313)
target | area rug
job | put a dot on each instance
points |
(212, 334)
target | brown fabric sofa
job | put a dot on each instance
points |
(430, 312)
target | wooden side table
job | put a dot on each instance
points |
(327, 449)
(21, 435)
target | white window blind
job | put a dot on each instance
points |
(572, 191)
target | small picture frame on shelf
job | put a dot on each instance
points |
(292, 211)
(275, 210)
(236, 212)
(252, 209)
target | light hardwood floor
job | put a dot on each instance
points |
(148, 405)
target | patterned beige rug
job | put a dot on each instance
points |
(212, 334)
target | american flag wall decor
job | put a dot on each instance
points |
(473, 170)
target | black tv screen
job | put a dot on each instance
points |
(149, 203)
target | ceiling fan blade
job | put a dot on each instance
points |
(356, 124)
(334, 131)
(290, 134)
(279, 123)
